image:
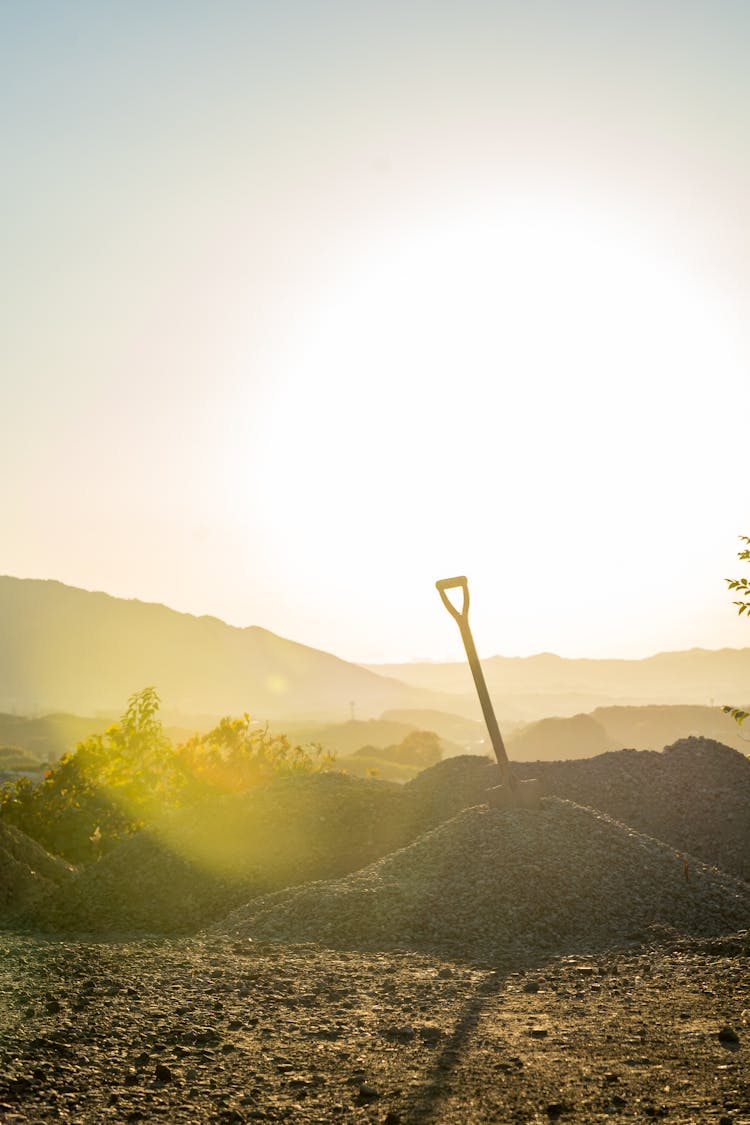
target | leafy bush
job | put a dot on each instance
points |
(131, 776)
(417, 751)
(237, 755)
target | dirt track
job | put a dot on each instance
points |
(221, 1031)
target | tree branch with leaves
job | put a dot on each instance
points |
(740, 586)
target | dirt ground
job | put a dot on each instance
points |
(215, 1030)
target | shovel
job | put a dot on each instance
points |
(511, 791)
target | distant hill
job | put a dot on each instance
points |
(69, 650)
(66, 649)
(345, 738)
(652, 728)
(618, 728)
(579, 736)
(533, 687)
(464, 733)
(375, 734)
(49, 737)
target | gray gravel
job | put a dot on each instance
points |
(695, 795)
(208, 1032)
(27, 873)
(204, 861)
(490, 885)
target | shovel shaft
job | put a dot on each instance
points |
(484, 698)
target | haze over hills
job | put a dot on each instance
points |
(533, 687)
(67, 649)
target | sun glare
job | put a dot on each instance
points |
(495, 379)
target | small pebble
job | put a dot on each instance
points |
(368, 1093)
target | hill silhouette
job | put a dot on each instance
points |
(579, 736)
(71, 650)
(612, 728)
(48, 737)
(67, 649)
(534, 687)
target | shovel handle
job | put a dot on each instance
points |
(462, 617)
(460, 582)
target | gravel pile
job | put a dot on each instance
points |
(28, 874)
(490, 885)
(438, 793)
(141, 886)
(205, 861)
(695, 795)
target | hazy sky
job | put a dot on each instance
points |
(306, 305)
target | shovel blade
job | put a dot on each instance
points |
(524, 795)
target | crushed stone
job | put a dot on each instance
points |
(694, 795)
(27, 873)
(491, 885)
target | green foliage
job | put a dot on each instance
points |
(741, 585)
(102, 791)
(130, 776)
(737, 714)
(417, 751)
(237, 755)
(420, 748)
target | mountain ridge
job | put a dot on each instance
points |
(65, 648)
(530, 687)
(86, 651)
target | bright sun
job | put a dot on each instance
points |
(495, 380)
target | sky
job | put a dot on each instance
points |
(309, 304)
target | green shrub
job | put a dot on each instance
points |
(131, 776)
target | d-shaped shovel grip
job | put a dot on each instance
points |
(460, 582)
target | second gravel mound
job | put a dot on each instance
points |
(491, 885)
